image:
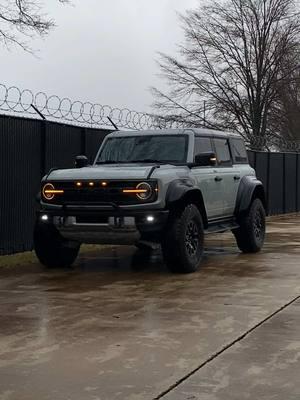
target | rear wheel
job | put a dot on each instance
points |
(52, 250)
(182, 245)
(250, 235)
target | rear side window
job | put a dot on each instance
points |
(223, 152)
(239, 152)
(202, 145)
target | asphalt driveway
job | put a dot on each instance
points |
(119, 327)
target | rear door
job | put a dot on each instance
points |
(228, 176)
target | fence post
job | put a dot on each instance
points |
(268, 180)
(83, 140)
(284, 185)
(43, 147)
(297, 185)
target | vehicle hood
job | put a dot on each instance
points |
(115, 171)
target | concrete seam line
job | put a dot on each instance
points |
(215, 355)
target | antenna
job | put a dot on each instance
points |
(113, 124)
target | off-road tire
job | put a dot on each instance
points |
(182, 245)
(52, 250)
(250, 235)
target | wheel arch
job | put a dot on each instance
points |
(250, 188)
(183, 192)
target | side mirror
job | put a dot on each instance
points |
(205, 159)
(81, 161)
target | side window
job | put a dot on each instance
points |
(202, 145)
(223, 152)
(239, 152)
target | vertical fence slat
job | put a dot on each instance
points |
(276, 181)
(261, 167)
(43, 133)
(290, 193)
(93, 142)
(297, 184)
(83, 141)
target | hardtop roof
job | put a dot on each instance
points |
(196, 131)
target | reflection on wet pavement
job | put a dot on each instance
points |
(120, 326)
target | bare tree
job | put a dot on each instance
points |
(21, 20)
(231, 63)
(285, 109)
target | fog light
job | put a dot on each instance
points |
(44, 218)
(150, 218)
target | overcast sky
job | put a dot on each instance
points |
(101, 51)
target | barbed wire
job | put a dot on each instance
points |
(14, 100)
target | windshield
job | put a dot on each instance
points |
(159, 148)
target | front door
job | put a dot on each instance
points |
(205, 177)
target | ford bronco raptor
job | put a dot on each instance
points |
(164, 186)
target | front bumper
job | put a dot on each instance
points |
(100, 225)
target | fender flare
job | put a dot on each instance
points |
(184, 190)
(249, 188)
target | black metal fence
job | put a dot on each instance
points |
(29, 148)
(280, 174)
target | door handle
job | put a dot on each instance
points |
(218, 179)
(236, 178)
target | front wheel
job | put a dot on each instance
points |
(250, 235)
(182, 245)
(52, 250)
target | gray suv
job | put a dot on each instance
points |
(165, 186)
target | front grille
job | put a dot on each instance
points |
(96, 195)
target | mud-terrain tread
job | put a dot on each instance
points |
(173, 243)
(51, 248)
(244, 235)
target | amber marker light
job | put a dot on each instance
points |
(54, 191)
(91, 184)
(104, 184)
(78, 184)
(135, 191)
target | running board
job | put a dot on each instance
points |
(220, 227)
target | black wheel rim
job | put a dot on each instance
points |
(258, 225)
(192, 238)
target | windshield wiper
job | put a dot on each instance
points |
(145, 160)
(111, 162)
(149, 160)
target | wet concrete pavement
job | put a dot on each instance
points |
(118, 328)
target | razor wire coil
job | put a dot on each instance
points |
(15, 100)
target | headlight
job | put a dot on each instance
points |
(143, 191)
(49, 191)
